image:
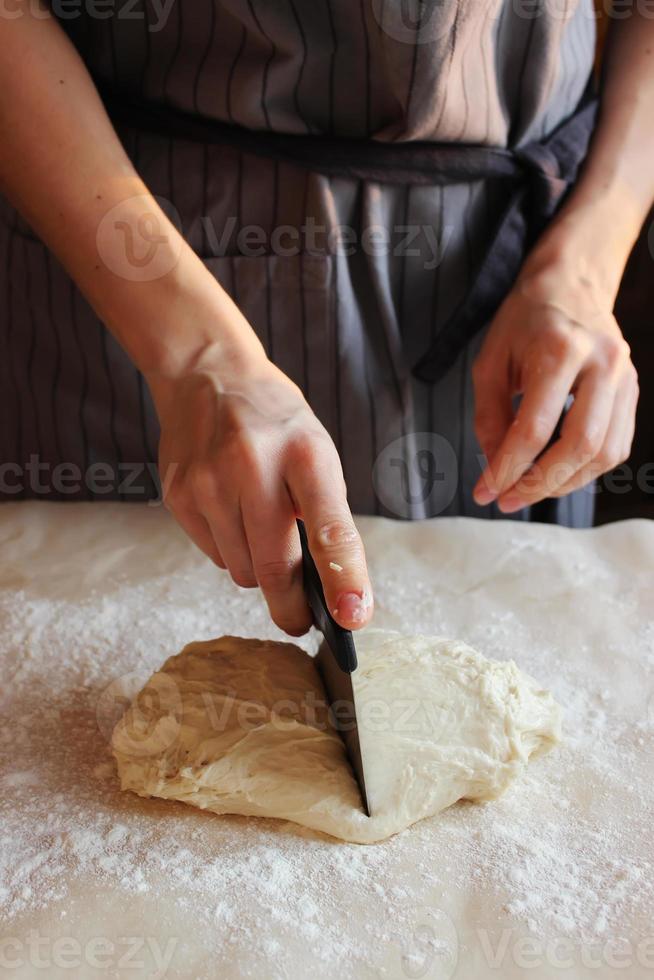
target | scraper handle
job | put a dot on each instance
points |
(339, 640)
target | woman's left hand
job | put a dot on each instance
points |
(554, 335)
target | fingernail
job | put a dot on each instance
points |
(483, 496)
(352, 607)
(508, 504)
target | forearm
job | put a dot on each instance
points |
(64, 168)
(600, 221)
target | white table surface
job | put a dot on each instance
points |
(555, 879)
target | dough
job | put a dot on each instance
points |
(241, 726)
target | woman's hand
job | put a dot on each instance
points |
(240, 459)
(554, 335)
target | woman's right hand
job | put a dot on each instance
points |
(241, 452)
(239, 460)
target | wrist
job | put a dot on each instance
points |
(183, 322)
(589, 241)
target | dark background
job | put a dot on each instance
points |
(635, 314)
(634, 311)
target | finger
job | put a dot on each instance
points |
(318, 490)
(274, 544)
(199, 532)
(493, 411)
(223, 515)
(582, 436)
(226, 524)
(617, 443)
(629, 429)
(545, 392)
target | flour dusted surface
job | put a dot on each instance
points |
(567, 852)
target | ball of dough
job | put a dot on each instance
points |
(242, 726)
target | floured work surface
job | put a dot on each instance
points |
(95, 597)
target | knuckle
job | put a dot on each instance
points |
(303, 450)
(588, 445)
(535, 431)
(244, 577)
(614, 351)
(622, 454)
(557, 340)
(306, 447)
(202, 481)
(603, 460)
(608, 458)
(334, 534)
(236, 452)
(275, 576)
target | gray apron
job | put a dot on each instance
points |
(348, 320)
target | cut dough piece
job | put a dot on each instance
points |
(241, 726)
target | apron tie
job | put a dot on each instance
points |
(548, 171)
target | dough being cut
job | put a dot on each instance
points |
(241, 726)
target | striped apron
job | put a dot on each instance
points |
(348, 280)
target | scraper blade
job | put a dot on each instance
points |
(336, 660)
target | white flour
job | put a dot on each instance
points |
(560, 866)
